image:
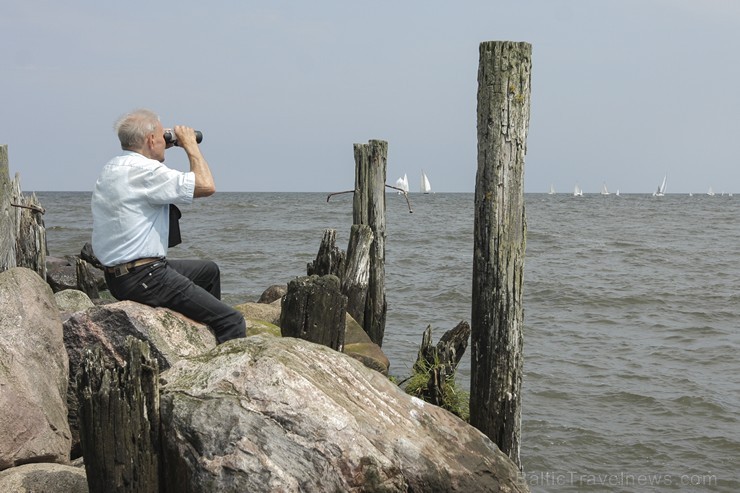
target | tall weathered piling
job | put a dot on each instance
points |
(504, 76)
(22, 231)
(371, 160)
(7, 214)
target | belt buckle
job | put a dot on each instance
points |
(120, 270)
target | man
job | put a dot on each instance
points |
(131, 225)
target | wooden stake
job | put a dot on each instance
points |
(504, 75)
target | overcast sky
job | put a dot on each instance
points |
(623, 91)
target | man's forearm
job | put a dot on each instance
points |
(204, 184)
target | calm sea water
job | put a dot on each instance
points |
(632, 311)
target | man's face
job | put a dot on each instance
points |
(156, 144)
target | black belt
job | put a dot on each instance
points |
(122, 269)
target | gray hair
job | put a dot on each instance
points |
(132, 128)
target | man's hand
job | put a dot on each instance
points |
(186, 137)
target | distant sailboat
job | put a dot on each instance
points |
(604, 190)
(403, 183)
(577, 191)
(710, 192)
(426, 187)
(617, 194)
(661, 189)
(552, 190)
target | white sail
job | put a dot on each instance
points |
(661, 189)
(426, 187)
(552, 190)
(577, 191)
(710, 192)
(604, 190)
(403, 183)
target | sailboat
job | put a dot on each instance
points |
(403, 183)
(426, 187)
(661, 189)
(604, 191)
(552, 190)
(710, 192)
(577, 191)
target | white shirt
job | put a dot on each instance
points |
(130, 207)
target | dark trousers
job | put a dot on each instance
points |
(190, 287)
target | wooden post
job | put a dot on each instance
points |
(86, 280)
(7, 214)
(440, 361)
(22, 231)
(357, 271)
(371, 160)
(330, 259)
(119, 421)
(504, 76)
(315, 309)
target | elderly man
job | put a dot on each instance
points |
(131, 206)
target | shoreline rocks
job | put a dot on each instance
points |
(266, 411)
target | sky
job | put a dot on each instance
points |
(623, 91)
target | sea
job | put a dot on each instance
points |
(631, 314)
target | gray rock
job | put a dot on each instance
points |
(273, 293)
(60, 274)
(43, 478)
(33, 372)
(261, 311)
(359, 345)
(267, 414)
(72, 300)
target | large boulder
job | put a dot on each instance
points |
(33, 372)
(266, 414)
(46, 478)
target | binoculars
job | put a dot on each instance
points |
(171, 138)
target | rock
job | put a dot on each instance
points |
(260, 311)
(172, 337)
(46, 478)
(33, 372)
(273, 293)
(266, 414)
(60, 274)
(71, 300)
(255, 327)
(358, 345)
